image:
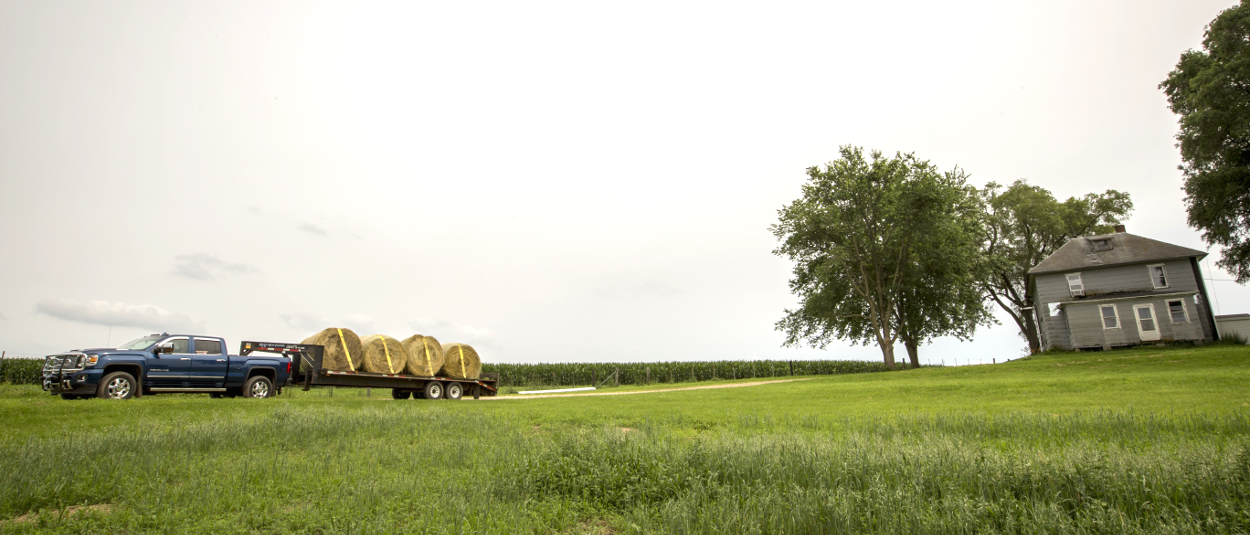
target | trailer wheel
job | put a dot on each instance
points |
(258, 387)
(433, 390)
(117, 385)
(400, 394)
(454, 390)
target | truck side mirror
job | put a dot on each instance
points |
(163, 349)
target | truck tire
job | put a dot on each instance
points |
(117, 385)
(433, 390)
(258, 387)
(454, 391)
(400, 394)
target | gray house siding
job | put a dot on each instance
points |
(1079, 323)
(1088, 331)
(1052, 288)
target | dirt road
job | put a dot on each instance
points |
(731, 385)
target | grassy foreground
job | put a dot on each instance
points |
(1137, 441)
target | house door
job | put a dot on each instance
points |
(1147, 327)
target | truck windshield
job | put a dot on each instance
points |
(141, 343)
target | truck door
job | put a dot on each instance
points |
(208, 364)
(170, 364)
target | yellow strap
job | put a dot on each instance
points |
(463, 372)
(390, 367)
(346, 352)
(426, 346)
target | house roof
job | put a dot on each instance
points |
(1126, 248)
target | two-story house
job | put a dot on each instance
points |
(1119, 290)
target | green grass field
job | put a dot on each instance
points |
(1134, 441)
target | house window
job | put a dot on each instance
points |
(1176, 309)
(1158, 276)
(1074, 284)
(1110, 320)
(1102, 245)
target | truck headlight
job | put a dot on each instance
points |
(91, 360)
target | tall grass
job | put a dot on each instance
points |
(409, 467)
(636, 373)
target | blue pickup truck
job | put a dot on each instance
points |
(160, 363)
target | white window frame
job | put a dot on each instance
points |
(1151, 270)
(1115, 311)
(1184, 310)
(1079, 282)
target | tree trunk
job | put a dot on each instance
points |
(887, 350)
(1030, 333)
(912, 352)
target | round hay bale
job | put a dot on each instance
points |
(460, 361)
(425, 355)
(383, 354)
(342, 349)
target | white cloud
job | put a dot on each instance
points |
(629, 284)
(447, 331)
(359, 323)
(202, 266)
(119, 315)
(313, 229)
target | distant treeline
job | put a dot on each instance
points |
(636, 373)
(29, 371)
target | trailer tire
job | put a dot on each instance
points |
(400, 394)
(454, 391)
(117, 385)
(258, 387)
(433, 390)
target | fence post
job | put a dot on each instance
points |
(648, 375)
(616, 377)
(792, 367)
(593, 378)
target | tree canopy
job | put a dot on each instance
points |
(1024, 225)
(884, 250)
(1210, 90)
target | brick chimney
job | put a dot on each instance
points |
(1119, 229)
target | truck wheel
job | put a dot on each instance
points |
(433, 390)
(117, 385)
(258, 387)
(454, 390)
(400, 394)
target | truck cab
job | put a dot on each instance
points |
(161, 363)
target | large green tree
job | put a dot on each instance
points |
(884, 250)
(1024, 225)
(1210, 90)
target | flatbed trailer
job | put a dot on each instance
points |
(306, 372)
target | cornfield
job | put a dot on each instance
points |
(21, 371)
(639, 373)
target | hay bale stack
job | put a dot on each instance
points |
(342, 349)
(425, 355)
(460, 361)
(383, 354)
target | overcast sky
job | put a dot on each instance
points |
(548, 181)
